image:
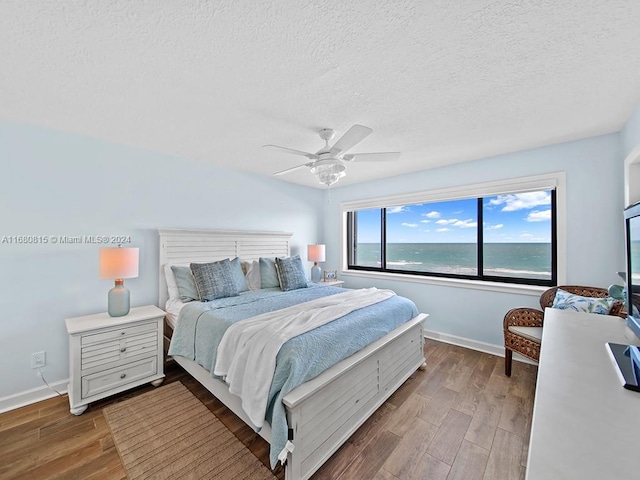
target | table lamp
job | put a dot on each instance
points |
(118, 263)
(315, 254)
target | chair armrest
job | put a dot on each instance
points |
(618, 310)
(523, 317)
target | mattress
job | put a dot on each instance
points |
(173, 308)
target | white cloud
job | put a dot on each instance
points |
(539, 216)
(495, 227)
(397, 209)
(521, 201)
(468, 223)
(433, 214)
(425, 221)
(526, 235)
(442, 230)
(426, 230)
(412, 225)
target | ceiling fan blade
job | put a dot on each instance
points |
(282, 172)
(354, 135)
(311, 156)
(371, 157)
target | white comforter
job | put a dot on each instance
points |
(247, 353)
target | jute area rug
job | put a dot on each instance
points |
(168, 433)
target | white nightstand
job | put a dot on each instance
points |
(108, 355)
(332, 283)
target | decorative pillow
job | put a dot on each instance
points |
(246, 265)
(238, 275)
(568, 301)
(214, 280)
(268, 274)
(172, 287)
(186, 283)
(291, 273)
(253, 276)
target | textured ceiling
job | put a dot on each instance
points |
(442, 81)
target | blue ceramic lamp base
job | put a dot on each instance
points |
(316, 273)
(119, 300)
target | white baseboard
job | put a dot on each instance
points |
(34, 395)
(42, 393)
(490, 348)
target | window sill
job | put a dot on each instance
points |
(513, 288)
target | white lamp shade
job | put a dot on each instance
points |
(315, 253)
(118, 262)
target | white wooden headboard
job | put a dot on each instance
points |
(186, 246)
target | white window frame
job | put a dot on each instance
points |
(554, 180)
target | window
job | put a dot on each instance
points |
(367, 238)
(501, 237)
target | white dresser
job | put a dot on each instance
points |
(585, 424)
(108, 355)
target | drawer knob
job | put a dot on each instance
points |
(123, 349)
(123, 375)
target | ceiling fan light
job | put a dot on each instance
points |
(328, 172)
(329, 179)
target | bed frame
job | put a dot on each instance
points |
(325, 411)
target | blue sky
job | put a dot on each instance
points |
(511, 218)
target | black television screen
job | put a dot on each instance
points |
(632, 222)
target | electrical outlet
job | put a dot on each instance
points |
(38, 359)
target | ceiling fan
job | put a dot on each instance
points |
(328, 163)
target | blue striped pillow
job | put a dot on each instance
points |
(214, 280)
(291, 273)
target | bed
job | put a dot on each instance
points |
(323, 412)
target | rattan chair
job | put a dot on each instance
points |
(523, 326)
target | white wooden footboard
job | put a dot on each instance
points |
(324, 412)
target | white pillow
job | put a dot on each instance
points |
(245, 265)
(172, 286)
(253, 276)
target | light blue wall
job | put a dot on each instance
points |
(58, 184)
(595, 229)
(631, 132)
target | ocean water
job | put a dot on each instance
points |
(523, 260)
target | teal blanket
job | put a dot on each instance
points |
(201, 326)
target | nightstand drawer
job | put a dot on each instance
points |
(110, 379)
(123, 332)
(103, 354)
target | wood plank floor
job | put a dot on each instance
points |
(459, 419)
